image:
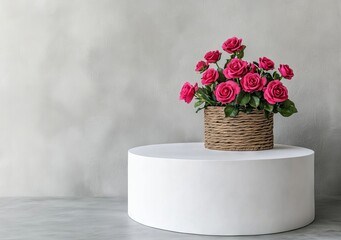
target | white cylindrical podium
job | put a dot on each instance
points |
(184, 187)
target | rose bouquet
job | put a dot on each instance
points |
(238, 85)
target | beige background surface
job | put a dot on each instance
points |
(81, 82)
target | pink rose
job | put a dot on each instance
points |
(226, 92)
(201, 66)
(286, 71)
(210, 75)
(212, 56)
(236, 68)
(275, 92)
(188, 91)
(252, 82)
(232, 45)
(266, 63)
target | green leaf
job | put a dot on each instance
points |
(221, 76)
(231, 111)
(267, 76)
(198, 103)
(275, 110)
(240, 54)
(289, 104)
(240, 96)
(245, 99)
(204, 94)
(268, 107)
(201, 108)
(256, 63)
(267, 114)
(259, 94)
(287, 108)
(248, 109)
(276, 75)
(254, 101)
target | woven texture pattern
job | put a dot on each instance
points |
(246, 132)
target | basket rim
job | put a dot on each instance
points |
(257, 111)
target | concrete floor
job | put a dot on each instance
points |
(106, 218)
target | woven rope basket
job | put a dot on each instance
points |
(246, 132)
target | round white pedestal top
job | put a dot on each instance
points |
(186, 188)
(197, 151)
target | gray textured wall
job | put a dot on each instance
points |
(81, 82)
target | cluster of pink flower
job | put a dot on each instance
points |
(239, 76)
